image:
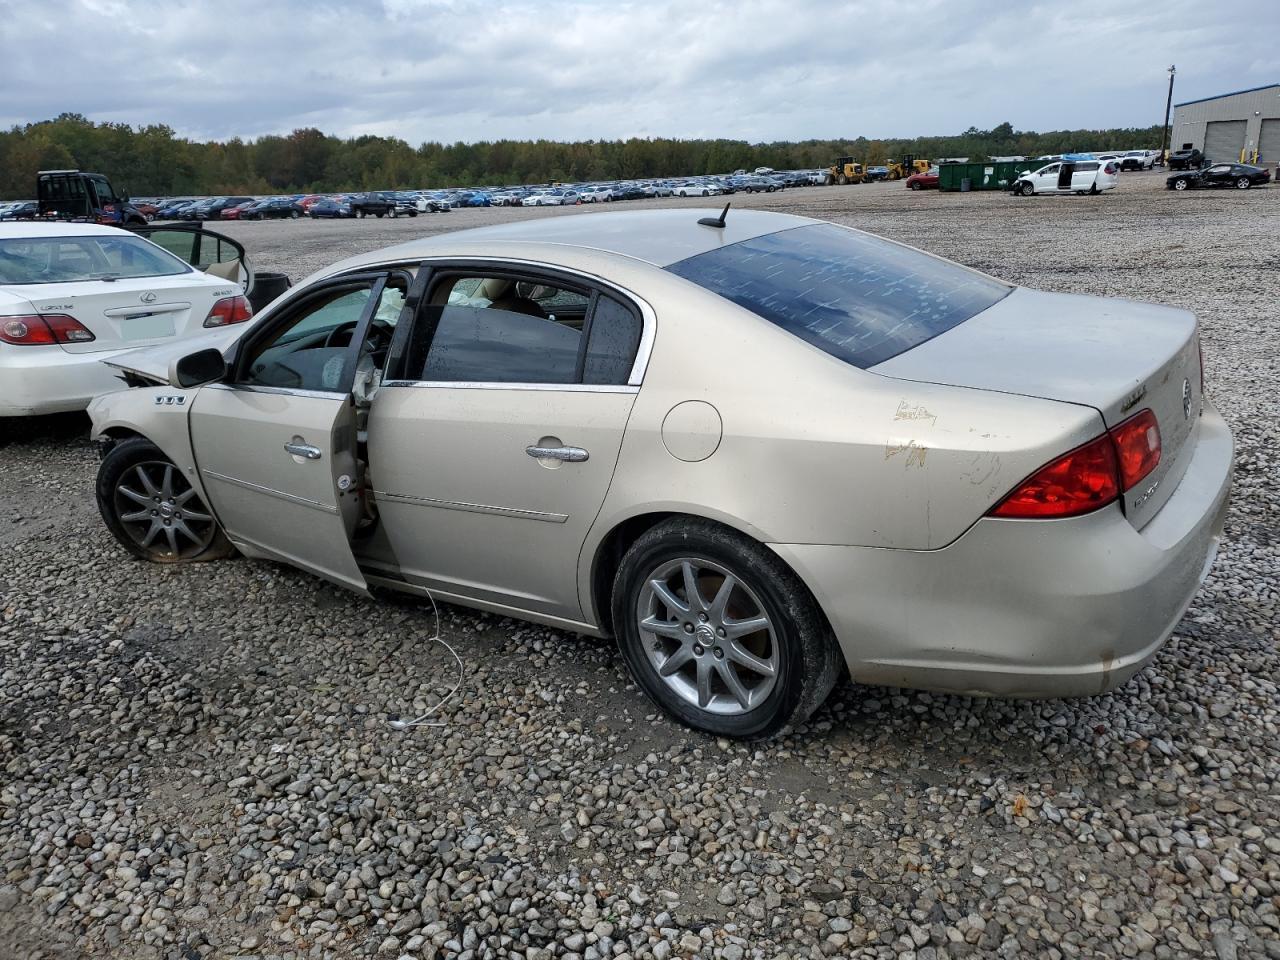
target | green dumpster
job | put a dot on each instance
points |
(985, 176)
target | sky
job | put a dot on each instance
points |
(758, 70)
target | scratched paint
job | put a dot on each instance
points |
(915, 453)
(914, 411)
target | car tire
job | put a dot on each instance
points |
(1243, 183)
(171, 531)
(916, 186)
(785, 669)
(1181, 184)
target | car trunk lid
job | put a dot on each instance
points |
(1117, 356)
(125, 314)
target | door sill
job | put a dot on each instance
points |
(394, 580)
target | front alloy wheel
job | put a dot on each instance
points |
(1243, 183)
(1180, 184)
(152, 509)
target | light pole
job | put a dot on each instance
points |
(1168, 105)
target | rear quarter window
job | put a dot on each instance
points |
(856, 297)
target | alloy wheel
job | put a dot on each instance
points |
(162, 513)
(708, 636)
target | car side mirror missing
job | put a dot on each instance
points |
(196, 369)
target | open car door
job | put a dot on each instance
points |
(213, 253)
(276, 440)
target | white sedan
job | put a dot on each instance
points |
(72, 295)
(697, 190)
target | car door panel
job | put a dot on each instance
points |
(279, 468)
(468, 510)
(278, 455)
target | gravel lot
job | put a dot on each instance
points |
(195, 762)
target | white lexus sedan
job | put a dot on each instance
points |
(759, 450)
(72, 294)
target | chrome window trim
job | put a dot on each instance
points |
(283, 391)
(485, 385)
(648, 318)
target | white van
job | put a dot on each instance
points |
(1068, 176)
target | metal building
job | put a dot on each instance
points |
(1244, 125)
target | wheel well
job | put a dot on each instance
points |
(113, 435)
(609, 556)
(615, 546)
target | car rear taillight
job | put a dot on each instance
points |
(43, 329)
(1089, 477)
(227, 311)
(1137, 448)
(1078, 482)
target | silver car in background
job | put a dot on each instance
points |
(757, 449)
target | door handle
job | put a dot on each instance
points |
(566, 454)
(299, 449)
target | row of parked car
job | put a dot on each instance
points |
(393, 203)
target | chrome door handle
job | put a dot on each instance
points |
(567, 454)
(299, 449)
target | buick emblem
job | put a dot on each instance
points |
(1186, 399)
(148, 297)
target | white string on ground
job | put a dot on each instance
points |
(425, 720)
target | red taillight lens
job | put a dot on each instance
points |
(1089, 477)
(1137, 447)
(1079, 482)
(43, 329)
(227, 311)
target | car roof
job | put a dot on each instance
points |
(26, 230)
(658, 237)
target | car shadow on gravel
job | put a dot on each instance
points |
(57, 427)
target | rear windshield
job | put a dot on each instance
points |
(65, 259)
(861, 299)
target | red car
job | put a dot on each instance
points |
(148, 210)
(233, 213)
(924, 181)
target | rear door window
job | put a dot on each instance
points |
(506, 329)
(854, 296)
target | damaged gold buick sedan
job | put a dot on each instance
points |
(757, 449)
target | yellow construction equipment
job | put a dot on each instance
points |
(846, 170)
(905, 168)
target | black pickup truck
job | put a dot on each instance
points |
(380, 203)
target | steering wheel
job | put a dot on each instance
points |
(378, 338)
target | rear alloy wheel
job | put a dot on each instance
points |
(916, 186)
(1243, 183)
(294, 214)
(152, 510)
(719, 632)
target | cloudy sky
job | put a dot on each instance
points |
(585, 69)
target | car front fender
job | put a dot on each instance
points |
(160, 414)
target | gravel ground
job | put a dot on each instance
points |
(196, 761)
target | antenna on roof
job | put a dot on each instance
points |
(715, 221)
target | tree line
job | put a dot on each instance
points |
(153, 161)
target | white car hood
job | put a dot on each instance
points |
(154, 363)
